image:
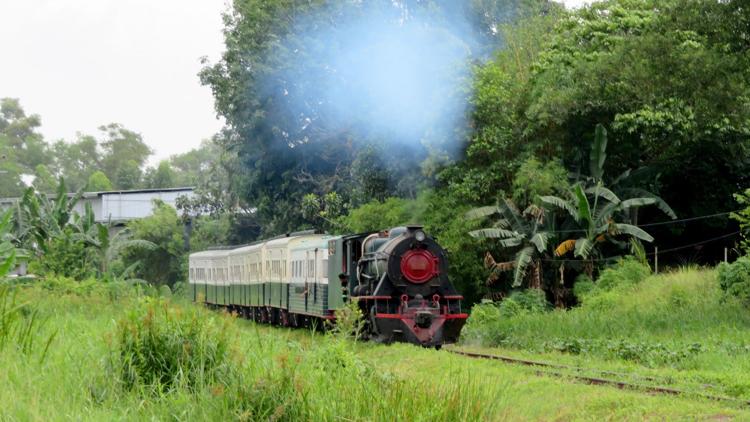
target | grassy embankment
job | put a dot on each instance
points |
(676, 328)
(114, 357)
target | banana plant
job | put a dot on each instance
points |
(595, 211)
(7, 251)
(100, 237)
(520, 232)
(38, 218)
(622, 184)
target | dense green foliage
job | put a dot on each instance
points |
(165, 263)
(734, 279)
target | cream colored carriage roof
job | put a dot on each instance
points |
(216, 253)
(301, 241)
(279, 243)
(246, 249)
(312, 242)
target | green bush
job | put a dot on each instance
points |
(529, 301)
(734, 280)
(582, 286)
(625, 272)
(486, 324)
(160, 346)
(66, 256)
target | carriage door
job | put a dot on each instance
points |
(306, 274)
(315, 276)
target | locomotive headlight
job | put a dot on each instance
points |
(420, 236)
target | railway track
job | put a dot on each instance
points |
(569, 372)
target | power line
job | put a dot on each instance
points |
(688, 219)
(650, 253)
(696, 243)
(662, 223)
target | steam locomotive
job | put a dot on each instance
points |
(398, 278)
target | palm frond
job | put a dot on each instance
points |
(598, 153)
(624, 175)
(495, 233)
(583, 248)
(636, 202)
(603, 192)
(584, 209)
(540, 241)
(482, 212)
(523, 259)
(511, 213)
(660, 203)
(562, 204)
(634, 231)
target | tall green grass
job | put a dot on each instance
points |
(21, 324)
(678, 321)
(140, 358)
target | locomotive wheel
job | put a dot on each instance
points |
(284, 318)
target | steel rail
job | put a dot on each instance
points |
(595, 380)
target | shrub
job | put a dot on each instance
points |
(734, 280)
(524, 302)
(582, 286)
(627, 271)
(161, 346)
(484, 324)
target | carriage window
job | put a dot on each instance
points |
(324, 270)
(310, 268)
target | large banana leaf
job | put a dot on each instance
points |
(660, 203)
(583, 247)
(540, 241)
(603, 192)
(637, 202)
(584, 209)
(482, 212)
(561, 203)
(634, 231)
(513, 215)
(494, 234)
(523, 259)
(598, 153)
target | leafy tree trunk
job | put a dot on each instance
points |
(559, 289)
(536, 275)
(588, 268)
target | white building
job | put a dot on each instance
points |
(117, 207)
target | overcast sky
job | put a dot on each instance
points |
(84, 63)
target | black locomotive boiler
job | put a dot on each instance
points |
(401, 283)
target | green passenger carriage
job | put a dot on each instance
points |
(397, 277)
